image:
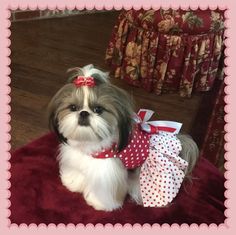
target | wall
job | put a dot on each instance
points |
(19, 15)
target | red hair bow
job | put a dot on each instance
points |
(84, 81)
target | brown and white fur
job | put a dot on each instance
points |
(88, 119)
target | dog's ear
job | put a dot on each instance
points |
(125, 131)
(53, 125)
(52, 110)
(124, 109)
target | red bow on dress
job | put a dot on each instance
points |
(153, 127)
(84, 81)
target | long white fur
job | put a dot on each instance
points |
(97, 179)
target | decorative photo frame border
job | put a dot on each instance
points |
(5, 225)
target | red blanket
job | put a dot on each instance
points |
(37, 195)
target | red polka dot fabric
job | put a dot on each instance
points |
(135, 153)
(163, 172)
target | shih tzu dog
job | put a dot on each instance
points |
(105, 155)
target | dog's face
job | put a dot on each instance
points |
(92, 114)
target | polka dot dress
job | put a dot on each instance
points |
(162, 173)
(135, 153)
(162, 170)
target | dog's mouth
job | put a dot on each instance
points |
(84, 122)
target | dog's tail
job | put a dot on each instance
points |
(189, 152)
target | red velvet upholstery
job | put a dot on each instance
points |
(37, 195)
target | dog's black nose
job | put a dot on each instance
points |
(84, 114)
(83, 118)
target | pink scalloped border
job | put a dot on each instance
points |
(5, 226)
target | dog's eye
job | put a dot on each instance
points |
(98, 109)
(73, 108)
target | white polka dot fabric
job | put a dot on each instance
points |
(163, 171)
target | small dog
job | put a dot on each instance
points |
(90, 116)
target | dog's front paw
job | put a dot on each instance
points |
(101, 206)
(73, 181)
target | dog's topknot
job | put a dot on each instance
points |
(89, 71)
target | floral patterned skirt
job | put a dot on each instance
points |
(167, 50)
